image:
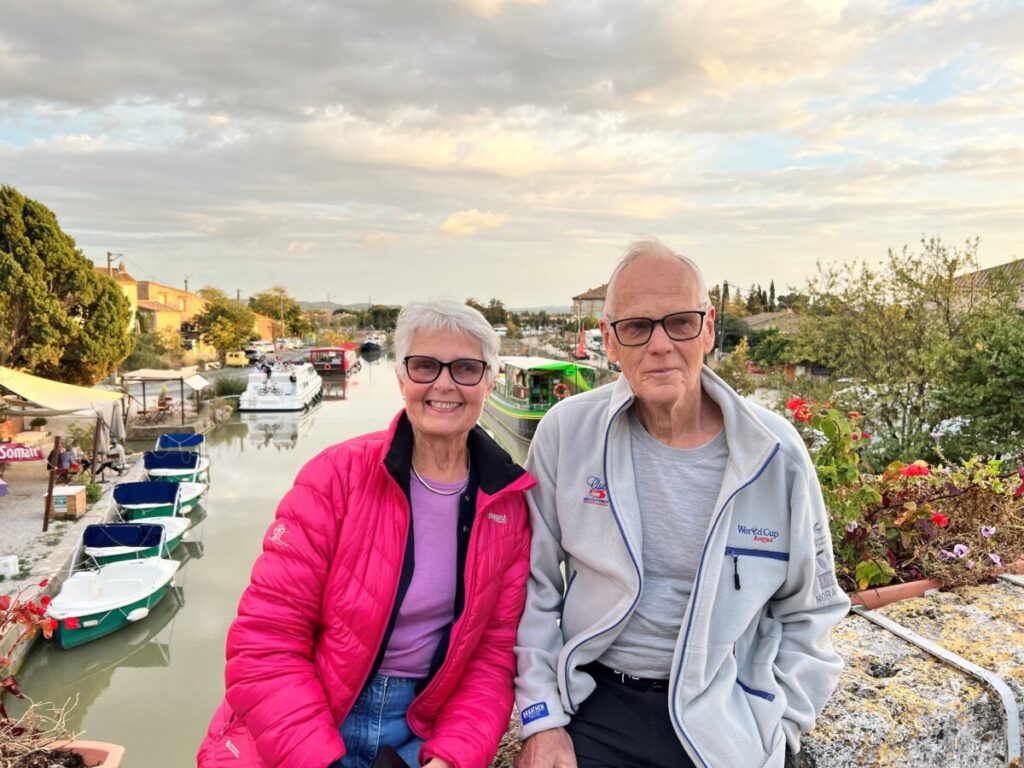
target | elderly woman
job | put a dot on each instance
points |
(383, 608)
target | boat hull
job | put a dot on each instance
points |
(167, 549)
(520, 422)
(99, 603)
(280, 393)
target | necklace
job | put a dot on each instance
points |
(438, 491)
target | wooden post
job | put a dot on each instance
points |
(48, 504)
(95, 448)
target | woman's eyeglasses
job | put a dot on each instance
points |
(466, 371)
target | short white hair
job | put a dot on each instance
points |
(654, 248)
(436, 315)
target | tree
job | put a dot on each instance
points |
(226, 325)
(210, 293)
(732, 329)
(897, 334)
(769, 347)
(771, 296)
(983, 397)
(277, 304)
(733, 370)
(60, 318)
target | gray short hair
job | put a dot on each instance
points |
(655, 248)
(445, 315)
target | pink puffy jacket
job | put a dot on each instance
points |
(311, 622)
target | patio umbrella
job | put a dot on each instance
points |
(116, 423)
(101, 445)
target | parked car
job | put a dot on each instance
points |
(236, 359)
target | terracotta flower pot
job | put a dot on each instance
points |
(98, 754)
(879, 596)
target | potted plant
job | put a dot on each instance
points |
(39, 737)
(946, 525)
(38, 424)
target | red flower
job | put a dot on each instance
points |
(71, 623)
(5, 602)
(917, 468)
(855, 436)
(45, 600)
(5, 662)
(803, 413)
(44, 582)
(794, 404)
(939, 520)
(854, 415)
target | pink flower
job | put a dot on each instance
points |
(988, 531)
(995, 559)
(960, 550)
(969, 565)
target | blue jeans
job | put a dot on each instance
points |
(378, 718)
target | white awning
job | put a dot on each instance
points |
(197, 382)
(161, 374)
(29, 395)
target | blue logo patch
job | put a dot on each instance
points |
(534, 712)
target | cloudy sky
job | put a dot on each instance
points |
(392, 149)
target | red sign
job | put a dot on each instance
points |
(10, 452)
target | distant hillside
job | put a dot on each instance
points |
(323, 306)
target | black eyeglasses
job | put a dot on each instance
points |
(466, 371)
(679, 326)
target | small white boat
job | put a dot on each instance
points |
(92, 604)
(176, 466)
(113, 542)
(281, 387)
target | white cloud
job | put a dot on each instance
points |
(462, 223)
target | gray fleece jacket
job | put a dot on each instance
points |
(753, 664)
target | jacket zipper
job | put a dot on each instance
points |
(737, 552)
(693, 601)
(755, 692)
(632, 557)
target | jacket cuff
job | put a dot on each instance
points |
(542, 716)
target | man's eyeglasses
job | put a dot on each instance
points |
(679, 326)
(466, 371)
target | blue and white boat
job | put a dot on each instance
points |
(181, 441)
(176, 466)
(113, 542)
(150, 499)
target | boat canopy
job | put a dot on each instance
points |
(170, 460)
(141, 535)
(174, 440)
(541, 364)
(146, 493)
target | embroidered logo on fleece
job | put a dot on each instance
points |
(496, 517)
(534, 712)
(598, 493)
(277, 535)
(828, 587)
(763, 535)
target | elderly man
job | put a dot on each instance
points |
(682, 587)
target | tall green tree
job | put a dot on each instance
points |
(226, 325)
(276, 303)
(60, 318)
(896, 335)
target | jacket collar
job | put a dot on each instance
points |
(750, 441)
(493, 467)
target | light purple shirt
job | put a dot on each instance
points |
(429, 603)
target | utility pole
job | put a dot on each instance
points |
(110, 258)
(238, 296)
(186, 282)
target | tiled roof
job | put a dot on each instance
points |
(594, 293)
(156, 306)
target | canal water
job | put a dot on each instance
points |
(153, 686)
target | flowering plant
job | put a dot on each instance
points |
(26, 611)
(959, 523)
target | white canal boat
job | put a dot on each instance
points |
(281, 387)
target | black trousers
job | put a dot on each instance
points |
(623, 727)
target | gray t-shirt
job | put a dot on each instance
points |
(677, 489)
